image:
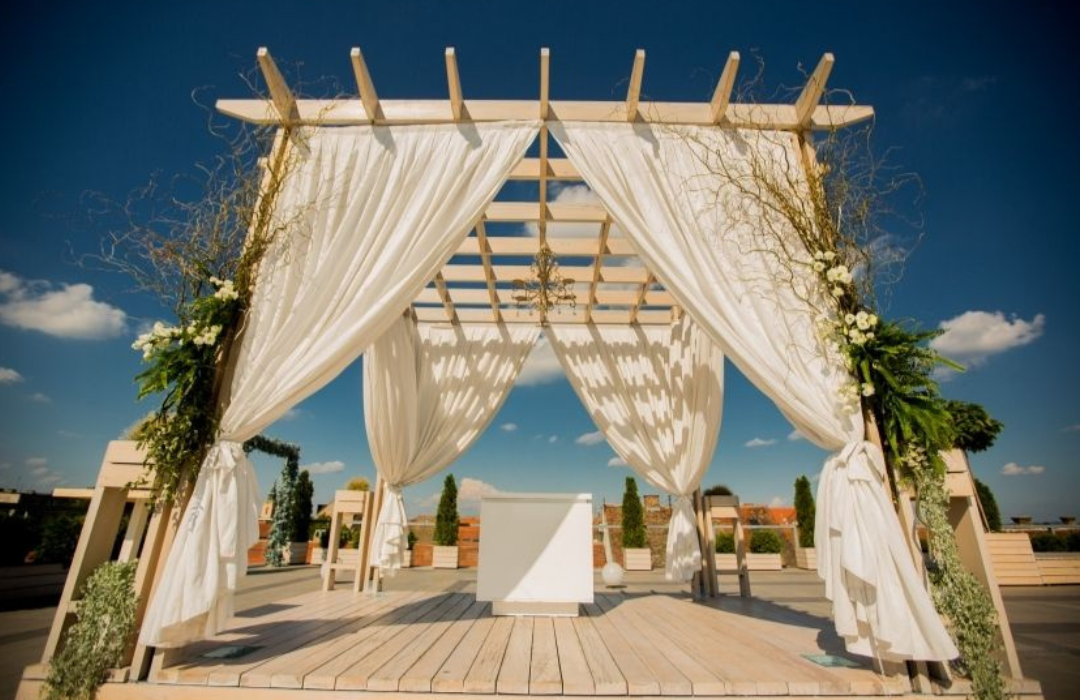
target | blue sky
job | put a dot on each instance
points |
(976, 100)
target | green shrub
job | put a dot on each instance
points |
(59, 537)
(725, 543)
(766, 542)
(412, 540)
(1072, 541)
(446, 518)
(97, 640)
(989, 506)
(633, 517)
(1048, 542)
(301, 507)
(718, 490)
(804, 512)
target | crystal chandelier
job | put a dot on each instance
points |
(546, 289)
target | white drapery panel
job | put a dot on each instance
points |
(656, 393)
(685, 198)
(429, 392)
(370, 214)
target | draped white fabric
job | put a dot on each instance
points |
(370, 214)
(680, 195)
(656, 393)
(429, 392)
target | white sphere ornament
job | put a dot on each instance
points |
(612, 574)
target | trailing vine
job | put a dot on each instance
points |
(283, 495)
(100, 635)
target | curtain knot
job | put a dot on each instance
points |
(871, 466)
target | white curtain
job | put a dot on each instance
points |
(369, 214)
(656, 393)
(686, 199)
(429, 392)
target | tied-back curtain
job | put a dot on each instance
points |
(429, 392)
(367, 215)
(656, 393)
(690, 201)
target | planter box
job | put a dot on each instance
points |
(637, 559)
(348, 556)
(754, 562)
(806, 558)
(444, 557)
(406, 562)
(295, 553)
(318, 555)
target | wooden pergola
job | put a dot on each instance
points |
(611, 284)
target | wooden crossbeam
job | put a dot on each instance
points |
(346, 112)
(429, 314)
(545, 61)
(556, 211)
(545, 81)
(557, 169)
(633, 92)
(280, 95)
(509, 273)
(598, 263)
(811, 94)
(642, 293)
(364, 85)
(453, 80)
(722, 95)
(484, 245)
(563, 247)
(444, 294)
(471, 296)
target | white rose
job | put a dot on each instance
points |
(819, 266)
(829, 255)
(838, 291)
(867, 389)
(849, 319)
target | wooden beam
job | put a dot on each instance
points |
(722, 95)
(598, 263)
(557, 169)
(556, 211)
(366, 88)
(472, 296)
(280, 95)
(509, 273)
(343, 112)
(430, 314)
(528, 245)
(543, 136)
(484, 244)
(444, 294)
(545, 81)
(641, 297)
(633, 92)
(457, 104)
(812, 92)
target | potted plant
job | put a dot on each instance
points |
(406, 562)
(300, 506)
(765, 550)
(445, 552)
(805, 554)
(725, 552)
(636, 554)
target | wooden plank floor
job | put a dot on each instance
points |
(642, 645)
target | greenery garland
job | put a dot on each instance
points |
(98, 639)
(284, 495)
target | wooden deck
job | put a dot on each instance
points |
(642, 645)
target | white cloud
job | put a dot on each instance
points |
(38, 397)
(36, 461)
(616, 462)
(9, 376)
(760, 442)
(324, 467)
(973, 336)
(292, 414)
(1014, 469)
(39, 471)
(1073, 428)
(569, 194)
(542, 367)
(594, 438)
(51, 479)
(795, 436)
(64, 311)
(553, 439)
(776, 502)
(471, 490)
(508, 427)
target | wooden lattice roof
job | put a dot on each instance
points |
(611, 283)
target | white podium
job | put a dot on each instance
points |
(535, 553)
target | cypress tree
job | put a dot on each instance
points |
(989, 505)
(804, 512)
(446, 519)
(633, 517)
(303, 495)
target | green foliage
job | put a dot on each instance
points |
(59, 537)
(357, 483)
(446, 519)
(975, 429)
(96, 642)
(725, 543)
(766, 542)
(718, 490)
(1072, 541)
(283, 528)
(989, 506)
(958, 595)
(302, 506)
(633, 517)
(1048, 542)
(412, 540)
(804, 512)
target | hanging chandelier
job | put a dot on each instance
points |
(547, 289)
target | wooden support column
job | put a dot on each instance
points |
(722, 95)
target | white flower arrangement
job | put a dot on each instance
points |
(161, 336)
